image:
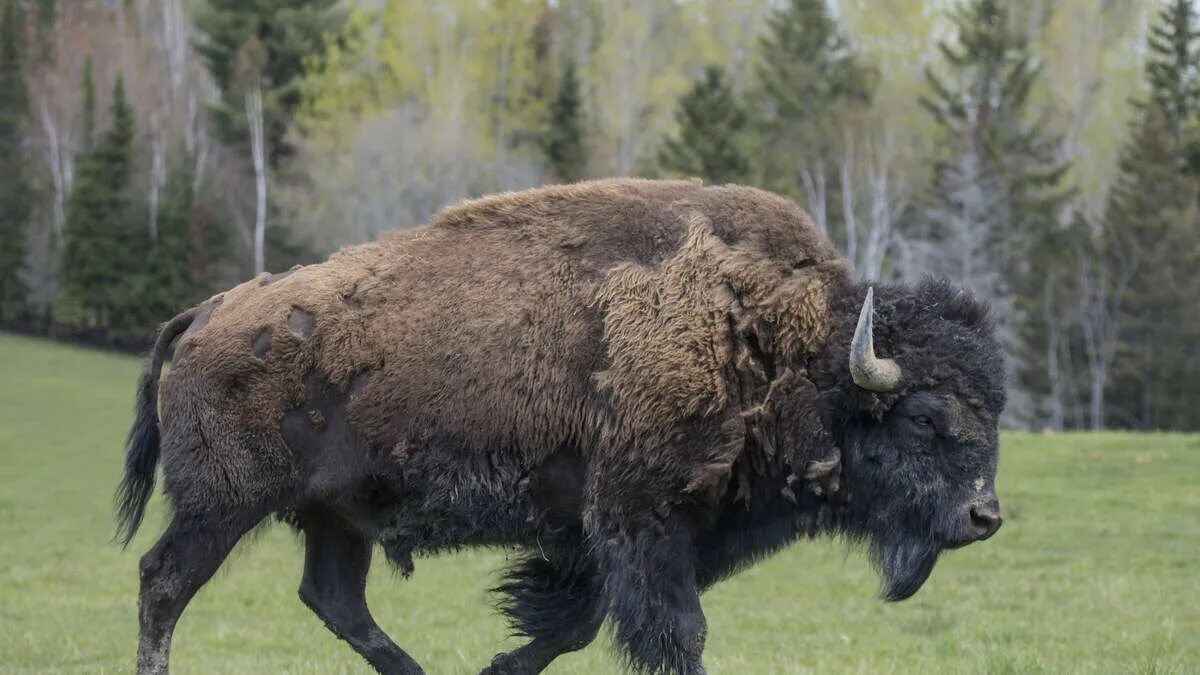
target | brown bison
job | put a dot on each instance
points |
(643, 385)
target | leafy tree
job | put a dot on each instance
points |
(563, 144)
(711, 121)
(15, 198)
(101, 241)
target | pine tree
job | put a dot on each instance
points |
(256, 52)
(982, 107)
(102, 243)
(563, 144)
(1171, 70)
(807, 65)
(1154, 215)
(160, 286)
(997, 193)
(289, 32)
(808, 82)
(711, 121)
(15, 198)
(89, 107)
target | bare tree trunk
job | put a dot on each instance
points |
(1102, 290)
(60, 170)
(1053, 372)
(887, 203)
(880, 222)
(157, 176)
(254, 116)
(847, 188)
(814, 191)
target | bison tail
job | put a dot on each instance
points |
(141, 458)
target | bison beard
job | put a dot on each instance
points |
(905, 564)
(644, 385)
(897, 532)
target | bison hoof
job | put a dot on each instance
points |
(505, 664)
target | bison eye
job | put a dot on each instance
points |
(923, 420)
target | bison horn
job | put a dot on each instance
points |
(868, 371)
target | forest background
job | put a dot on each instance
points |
(1044, 152)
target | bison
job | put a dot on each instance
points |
(641, 386)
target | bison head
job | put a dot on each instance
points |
(917, 425)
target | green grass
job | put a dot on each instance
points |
(1096, 570)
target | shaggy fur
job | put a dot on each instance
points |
(642, 383)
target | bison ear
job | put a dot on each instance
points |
(869, 371)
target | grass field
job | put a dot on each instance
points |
(1096, 570)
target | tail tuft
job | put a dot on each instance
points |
(141, 460)
(142, 448)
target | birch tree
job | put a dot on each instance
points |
(254, 120)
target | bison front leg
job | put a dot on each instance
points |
(336, 561)
(654, 600)
(553, 596)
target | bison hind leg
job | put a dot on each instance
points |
(554, 597)
(184, 559)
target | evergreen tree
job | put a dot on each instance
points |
(808, 82)
(711, 121)
(89, 107)
(997, 194)
(1153, 214)
(102, 243)
(15, 197)
(160, 285)
(1171, 70)
(256, 52)
(982, 108)
(288, 32)
(563, 144)
(806, 64)
(47, 13)
(1154, 223)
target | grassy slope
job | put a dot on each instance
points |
(1096, 570)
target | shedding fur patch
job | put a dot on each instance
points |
(300, 323)
(667, 329)
(696, 337)
(262, 343)
(664, 333)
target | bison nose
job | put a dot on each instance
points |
(985, 519)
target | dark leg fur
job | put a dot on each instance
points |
(185, 557)
(653, 596)
(556, 601)
(336, 560)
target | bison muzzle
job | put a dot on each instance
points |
(643, 386)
